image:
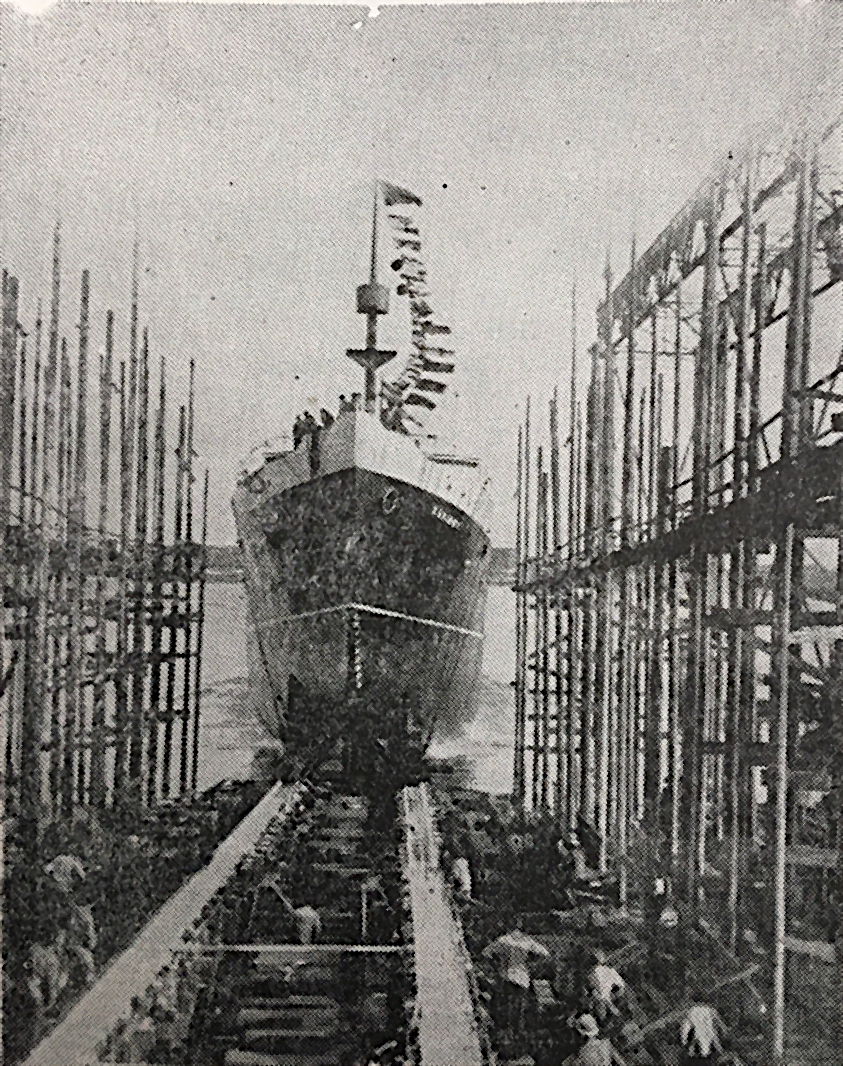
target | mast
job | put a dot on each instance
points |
(372, 300)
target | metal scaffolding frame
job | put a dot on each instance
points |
(696, 649)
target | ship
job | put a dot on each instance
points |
(364, 542)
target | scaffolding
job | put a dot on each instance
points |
(679, 622)
(101, 629)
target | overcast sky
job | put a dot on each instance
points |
(242, 143)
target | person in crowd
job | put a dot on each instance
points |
(68, 873)
(326, 418)
(298, 431)
(46, 973)
(604, 985)
(462, 877)
(597, 1050)
(306, 919)
(308, 924)
(82, 939)
(513, 952)
(701, 1031)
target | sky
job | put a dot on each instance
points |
(241, 143)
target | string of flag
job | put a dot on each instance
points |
(424, 377)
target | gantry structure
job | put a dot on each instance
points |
(680, 606)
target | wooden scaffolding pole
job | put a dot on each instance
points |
(781, 644)
(559, 732)
(605, 716)
(184, 761)
(538, 721)
(626, 657)
(675, 686)
(38, 646)
(8, 371)
(174, 616)
(739, 666)
(696, 701)
(137, 721)
(128, 391)
(159, 561)
(573, 651)
(59, 600)
(518, 745)
(200, 633)
(97, 785)
(590, 621)
(543, 665)
(77, 496)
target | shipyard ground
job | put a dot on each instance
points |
(399, 970)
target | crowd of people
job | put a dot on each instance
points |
(564, 977)
(94, 881)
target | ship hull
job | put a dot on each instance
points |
(360, 581)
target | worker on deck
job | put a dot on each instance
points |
(701, 1031)
(597, 1050)
(604, 984)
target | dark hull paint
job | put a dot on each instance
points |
(359, 537)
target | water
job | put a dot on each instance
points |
(229, 735)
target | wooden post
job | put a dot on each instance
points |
(544, 666)
(572, 659)
(122, 756)
(184, 763)
(574, 650)
(559, 733)
(121, 706)
(591, 546)
(156, 599)
(675, 686)
(648, 746)
(537, 644)
(738, 664)
(200, 632)
(781, 644)
(626, 655)
(174, 617)
(525, 602)
(137, 725)
(74, 697)
(699, 652)
(759, 322)
(97, 786)
(59, 613)
(606, 707)
(38, 644)
(518, 745)
(8, 368)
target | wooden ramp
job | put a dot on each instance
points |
(448, 1033)
(75, 1040)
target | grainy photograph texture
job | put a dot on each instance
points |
(421, 502)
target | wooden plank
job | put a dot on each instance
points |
(806, 855)
(284, 951)
(74, 1042)
(815, 949)
(444, 1009)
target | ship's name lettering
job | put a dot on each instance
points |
(448, 519)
